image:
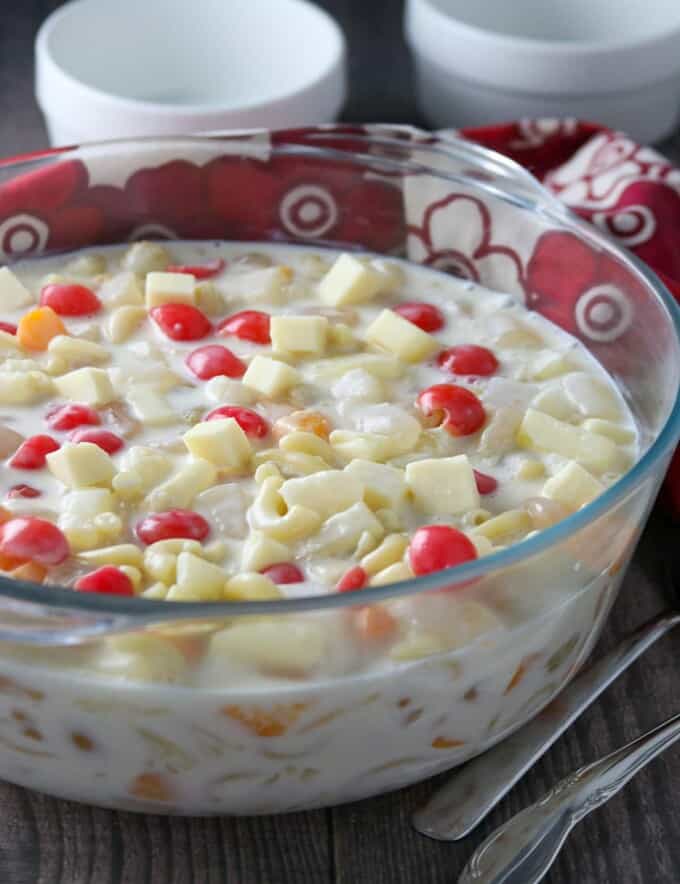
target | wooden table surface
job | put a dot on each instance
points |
(635, 839)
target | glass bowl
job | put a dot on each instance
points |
(131, 703)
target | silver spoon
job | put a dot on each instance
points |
(471, 794)
(522, 850)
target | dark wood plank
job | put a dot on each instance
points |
(635, 839)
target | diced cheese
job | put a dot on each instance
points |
(13, 294)
(325, 493)
(270, 377)
(221, 442)
(350, 281)
(399, 336)
(91, 386)
(541, 432)
(169, 288)
(79, 465)
(573, 486)
(150, 406)
(384, 486)
(443, 486)
(299, 335)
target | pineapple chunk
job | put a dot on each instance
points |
(278, 646)
(399, 336)
(350, 281)
(573, 486)
(299, 335)
(443, 486)
(13, 294)
(615, 432)
(325, 493)
(223, 389)
(181, 488)
(169, 288)
(77, 351)
(23, 388)
(203, 578)
(553, 401)
(543, 433)
(87, 502)
(270, 377)
(221, 442)
(89, 385)
(121, 554)
(266, 284)
(123, 322)
(250, 587)
(384, 486)
(81, 465)
(150, 406)
(376, 364)
(341, 533)
(260, 551)
(548, 364)
(121, 290)
(591, 397)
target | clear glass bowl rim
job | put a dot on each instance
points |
(137, 611)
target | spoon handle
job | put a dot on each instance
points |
(472, 793)
(522, 850)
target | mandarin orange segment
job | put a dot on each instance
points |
(375, 624)
(32, 571)
(151, 787)
(302, 421)
(37, 328)
(272, 722)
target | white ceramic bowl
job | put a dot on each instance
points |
(490, 60)
(158, 67)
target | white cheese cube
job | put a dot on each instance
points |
(221, 442)
(350, 281)
(24, 388)
(123, 322)
(91, 386)
(260, 551)
(443, 486)
(169, 288)
(573, 486)
(81, 465)
(270, 377)
(541, 432)
(303, 335)
(121, 290)
(150, 406)
(325, 493)
(13, 294)
(202, 577)
(384, 486)
(77, 351)
(399, 336)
